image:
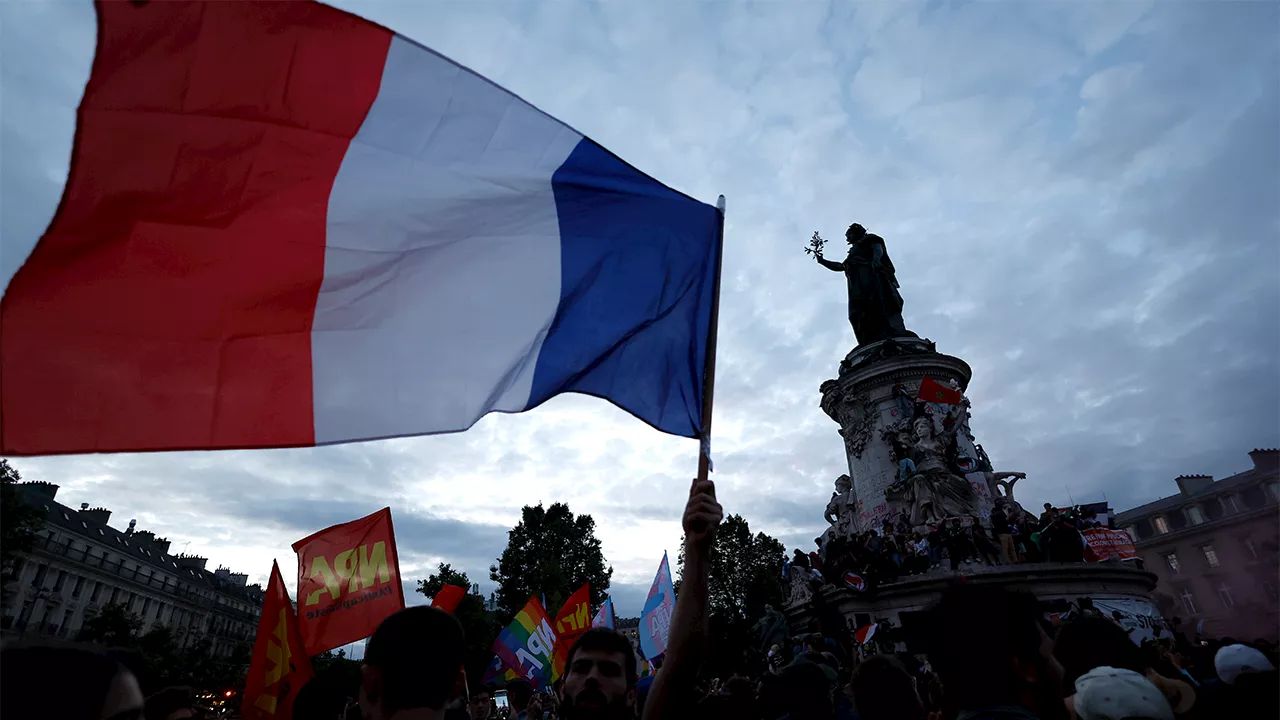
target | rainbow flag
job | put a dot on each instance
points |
(528, 646)
(604, 616)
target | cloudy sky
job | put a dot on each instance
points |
(1082, 200)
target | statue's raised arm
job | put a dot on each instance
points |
(875, 307)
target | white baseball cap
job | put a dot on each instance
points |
(1232, 661)
(1107, 693)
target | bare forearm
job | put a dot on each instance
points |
(688, 640)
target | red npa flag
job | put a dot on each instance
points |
(574, 618)
(348, 581)
(280, 665)
(448, 598)
(933, 391)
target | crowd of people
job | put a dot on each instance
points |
(989, 654)
(895, 550)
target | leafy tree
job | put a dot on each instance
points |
(444, 575)
(19, 522)
(115, 626)
(550, 551)
(479, 626)
(744, 578)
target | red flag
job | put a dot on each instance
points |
(573, 619)
(448, 598)
(348, 581)
(280, 665)
(933, 391)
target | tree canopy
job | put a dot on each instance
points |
(745, 576)
(19, 522)
(157, 659)
(444, 575)
(553, 552)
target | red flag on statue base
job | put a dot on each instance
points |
(933, 391)
(280, 665)
(348, 581)
(448, 598)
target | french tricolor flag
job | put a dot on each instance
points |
(287, 226)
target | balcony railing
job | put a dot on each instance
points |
(117, 568)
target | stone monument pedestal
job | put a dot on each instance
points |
(1057, 585)
(911, 457)
(876, 391)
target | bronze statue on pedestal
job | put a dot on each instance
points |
(875, 306)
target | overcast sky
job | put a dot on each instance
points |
(1082, 200)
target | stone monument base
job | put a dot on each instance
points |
(1057, 585)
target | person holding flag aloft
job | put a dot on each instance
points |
(673, 687)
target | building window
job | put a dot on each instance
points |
(41, 572)
(1189, 602)
(1194, 515)
(1224, 594)
(1172, 560)
(79, 586)
(59, 581)
(1210, 556)
(1274, 489)
(1250, 549)
(97, 590)
(1161, 525)
(146, 607)
(1229, 503)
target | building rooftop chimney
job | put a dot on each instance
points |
(1265, 459)
(99, 515)
(1192, 484)
(38, 492)
(193, 562)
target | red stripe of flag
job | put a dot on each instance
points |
(170, 303)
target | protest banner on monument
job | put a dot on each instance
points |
(655, 619)
(1103, 543)
(1140, 618)
(348, 581)
(279, 665)
(528, 645)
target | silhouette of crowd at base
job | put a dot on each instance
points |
(895, 551)
(983, 653)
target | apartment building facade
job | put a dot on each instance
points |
(1215, 547)
(80, 564)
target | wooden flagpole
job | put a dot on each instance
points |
(709, 372)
